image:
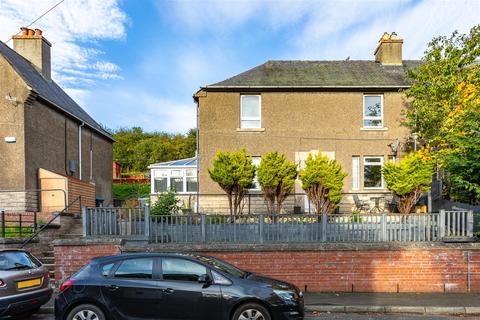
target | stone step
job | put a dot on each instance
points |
(47, 260)
(49, 266)
(48, 254)
(71, 236)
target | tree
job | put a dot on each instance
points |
(322, 179)
(443, 110)
(135, 149)
(234, 173)
(276, 175)
(409, 178)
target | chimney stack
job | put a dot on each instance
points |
(389, 50)
(34, 47)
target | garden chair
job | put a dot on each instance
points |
(361, 205)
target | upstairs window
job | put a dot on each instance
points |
(250, 112)
(373, 111)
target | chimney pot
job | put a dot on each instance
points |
(24, 31)
(393, 36)
(38, 32)
(30, 32)
(385, 36)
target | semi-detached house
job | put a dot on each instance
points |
(351, 111)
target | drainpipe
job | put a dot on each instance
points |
(80, 150)
(197, 154)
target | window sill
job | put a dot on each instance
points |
(250, 129)
(374, 129)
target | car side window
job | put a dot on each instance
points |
(141, 268)
(181, 269)
(106, 269)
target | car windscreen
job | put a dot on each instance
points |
(17, 260)
(223, 266)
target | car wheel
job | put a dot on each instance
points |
(86, 312)
(251, 311)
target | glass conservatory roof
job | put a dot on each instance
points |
(188, 162)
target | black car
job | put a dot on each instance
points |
(24, 284)
(174, 286)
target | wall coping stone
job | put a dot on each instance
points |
(88, 241)
(128, 247)
(16, 240)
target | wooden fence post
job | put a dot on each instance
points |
(203, 226)
(470, 223)
(3, 224)
(324, 227)
(84, 221)
(441, 227)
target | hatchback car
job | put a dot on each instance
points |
(24, 284)
(173, 286)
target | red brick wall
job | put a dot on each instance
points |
(365, 271)
(69, 259)
(407, 270)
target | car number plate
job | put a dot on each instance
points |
(29, 283)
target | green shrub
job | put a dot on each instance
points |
(126, 191)
(322, 179)
(167, 204)
(276, 176)
(234, 173)
(409, 179)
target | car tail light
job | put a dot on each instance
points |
(67, 284)
(2, 283)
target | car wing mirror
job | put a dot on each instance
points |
(205, 278)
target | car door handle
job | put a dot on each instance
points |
(113, 287)
(168, 290)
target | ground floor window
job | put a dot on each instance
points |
(372, 172)
(179, 180)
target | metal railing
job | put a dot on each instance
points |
(17, 225)
(284, 228)
(58, 214)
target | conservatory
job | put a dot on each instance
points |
(178, 175)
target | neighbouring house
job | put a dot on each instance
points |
(47, 141)
(348, 110)
(178, 175)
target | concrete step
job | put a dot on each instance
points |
(49, 266)
(47, 260)
(48, 254)
(71, 236)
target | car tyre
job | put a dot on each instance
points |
(251, 311)
(86, 312)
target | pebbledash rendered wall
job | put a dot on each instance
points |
(319, 267)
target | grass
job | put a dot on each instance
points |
(14, 232)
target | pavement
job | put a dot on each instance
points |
(395, 306)
(402, 303)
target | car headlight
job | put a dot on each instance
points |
(286, 295)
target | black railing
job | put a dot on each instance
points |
(18, 225)
(65, 210)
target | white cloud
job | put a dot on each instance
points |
(73, 28)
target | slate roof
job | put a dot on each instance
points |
(296, 73)
(188, 162)
(48, 89)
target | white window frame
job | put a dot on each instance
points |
(382, 162)
(259, 118)
(370, 117)
(168, 176)
(355, 172)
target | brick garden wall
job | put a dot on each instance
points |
(324, 268)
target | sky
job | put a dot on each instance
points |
(138, 62)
